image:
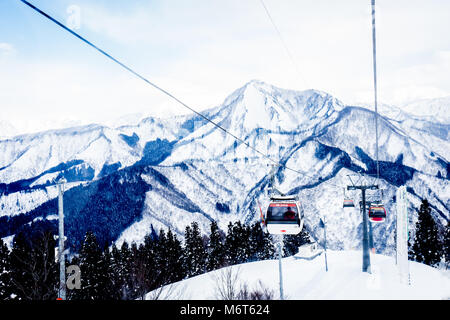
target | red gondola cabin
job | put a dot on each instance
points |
(284, 216)
(377, 213)
(348, 203)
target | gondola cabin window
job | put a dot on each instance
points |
(282, 212)
(283, 216)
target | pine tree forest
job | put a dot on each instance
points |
(29, 271)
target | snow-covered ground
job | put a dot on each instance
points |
(308, 279)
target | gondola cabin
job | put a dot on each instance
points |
(284, 216)
(348, 203)
(377, 213)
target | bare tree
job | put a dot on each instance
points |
(168, 292)
(229, 287)
(227, 283)
(260, 292)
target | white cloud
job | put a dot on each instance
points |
(123, 28)
(6, 49)
(39, 96)
(430, 79)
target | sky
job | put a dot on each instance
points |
(203, 50)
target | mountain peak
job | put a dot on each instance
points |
(258, 84)
(258, 104)
(255, 82)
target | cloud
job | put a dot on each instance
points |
(430, 78)
(124, 28)
(6, 49)
(38, 96)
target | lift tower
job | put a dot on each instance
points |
(364, 187)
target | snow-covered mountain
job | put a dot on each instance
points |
(436, 110)
(165, 173)
(428, 125)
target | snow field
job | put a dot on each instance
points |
(304, 279)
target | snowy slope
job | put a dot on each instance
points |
(305, 279)
(436, 110)
(425, 121)
(27, 156)
(435, 136)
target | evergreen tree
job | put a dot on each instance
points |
(20, 273)
(237, 243)
(426, 248)
(5, 272)
(139, 272)
(154, 252)
(153, 236)
(174, 258)
(33, 266)
(291, 242)
(159, 274)
(446, 245)
(216, 248)
(262, 247)
(231, 246)
(411, 255)
(116, 274)
(124, 266)
(93, 271)
(108, 282)
(195, 254)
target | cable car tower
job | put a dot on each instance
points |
(363, 185)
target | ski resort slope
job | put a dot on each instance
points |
(308, 279)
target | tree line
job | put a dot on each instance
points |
(29, 271)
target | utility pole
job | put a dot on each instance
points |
(366, 254)
(280, 253)
(365, 240)
(374, 53)
(402, 236)
(61, 257)
(371, 245)
(280, 237)
(322, 222)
